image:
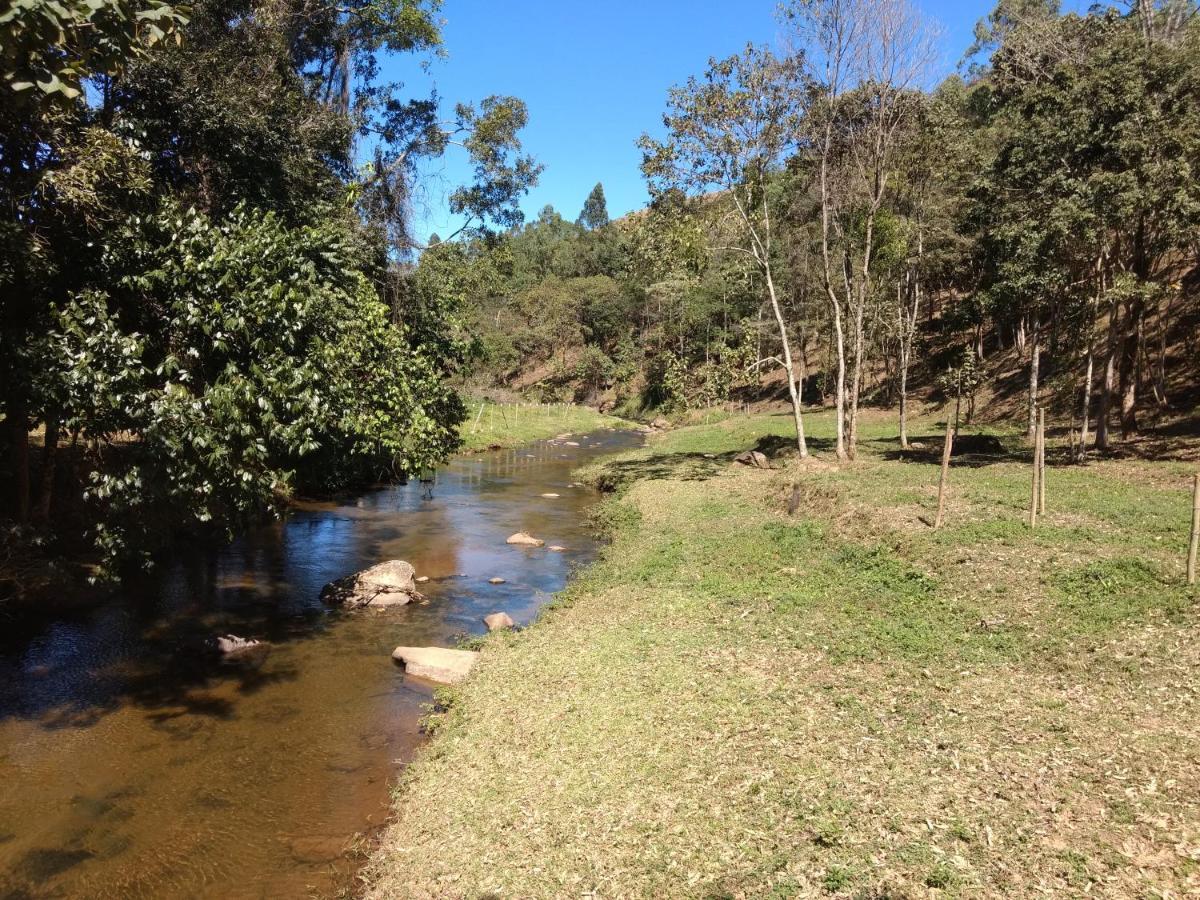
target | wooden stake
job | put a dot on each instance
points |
(1195, 541)
(1041, 461)
(1037, 472)
(937, 522)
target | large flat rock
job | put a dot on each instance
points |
(439, 664)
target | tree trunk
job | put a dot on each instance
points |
(1106, 386)
(49, 468)
(1130, 349)
(856, 379)
(17, 422)
(795, 392)
(1035, 358)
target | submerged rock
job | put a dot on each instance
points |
(496, 580)
(390, 583)
(498, 620)
(439, 664)
(241, 651)
(550, 496)
(557, 549)
(521, 539)
(232, 645)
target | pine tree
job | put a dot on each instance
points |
(595, 210)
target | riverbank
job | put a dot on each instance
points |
(502, 426)
(736, 702)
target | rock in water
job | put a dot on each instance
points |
(521, 539)
(754, 459)
(438, 664)
(231, 644)
(389, 583)
(241, 651)
(498, 620)
(557, 549)
(496, 580)
(549, 496)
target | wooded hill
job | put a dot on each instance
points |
(1024, 232)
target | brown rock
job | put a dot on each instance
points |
(390, 583)
(754, 459)
(498, 620)
(496, 580)
(439, 664)
(521, 539)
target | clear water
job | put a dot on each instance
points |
(134, 764)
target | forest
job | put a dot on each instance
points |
(204, 301)
(829, 228)
(212, 298)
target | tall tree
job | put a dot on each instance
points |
(595, 210)
(732, 132)
(866, 60)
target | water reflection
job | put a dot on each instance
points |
(135, 764)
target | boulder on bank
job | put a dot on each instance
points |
(521, 539)
(661, 424)
(390, 583)
(754, 459)
(498, 620)
(439, 664)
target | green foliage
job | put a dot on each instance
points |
(595, 210)
(236, 362)
(49, 47)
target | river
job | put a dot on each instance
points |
(134, 764)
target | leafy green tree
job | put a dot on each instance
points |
(595, 210)
(232, 364)
(733, 131)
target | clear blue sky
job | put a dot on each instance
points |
(595, 76)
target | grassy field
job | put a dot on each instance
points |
(739, 703)
(503, 425)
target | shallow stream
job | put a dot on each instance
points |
(135, 764)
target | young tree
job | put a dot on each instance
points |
(866, 60)
(595, 210)
(732, 132)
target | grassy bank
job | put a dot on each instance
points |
(739, 703)
(503, 425)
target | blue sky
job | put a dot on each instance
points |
(595, 76)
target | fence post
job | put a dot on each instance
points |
(1037, 471)
(937, 522)
(1195, 541)
(1041, 461)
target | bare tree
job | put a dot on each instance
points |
(866, 59)
(731, 133)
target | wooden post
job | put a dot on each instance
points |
(1041, 461)
(1037, 473)
(1195, 541)
(937, 522)
(794, 501)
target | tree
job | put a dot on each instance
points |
(732, 132)
(595, 211)
(866, 60)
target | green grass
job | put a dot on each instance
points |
(504, 425)
(738, 703)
